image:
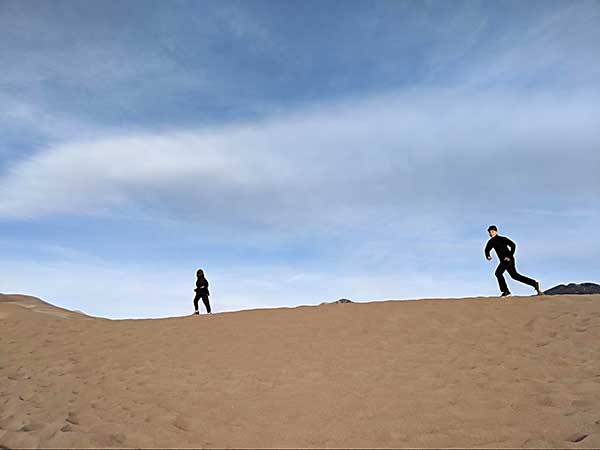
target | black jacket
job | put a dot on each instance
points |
(202, 287)
(504, 247)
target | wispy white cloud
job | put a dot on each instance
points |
(425, 149)
(555, 50)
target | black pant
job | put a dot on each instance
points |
(509, 266)
(204, 298)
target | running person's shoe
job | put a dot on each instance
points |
(196, 313)
(538, 288)
(505, 294)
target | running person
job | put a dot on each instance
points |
(505, 250)
(201, 291)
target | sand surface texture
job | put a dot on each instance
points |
(479, 372)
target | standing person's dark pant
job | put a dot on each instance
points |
(509, 266)
(204, 298)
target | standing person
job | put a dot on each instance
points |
(201, 291)
(505, 250)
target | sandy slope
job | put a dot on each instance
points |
(481, 372)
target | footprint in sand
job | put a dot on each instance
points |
(535, 443)
(530, 324)
(582, 404)
(577, 437)
(30, 427)
(110, 439)
(182, 423)
(546, 401)
(19, 375)
(72, 418)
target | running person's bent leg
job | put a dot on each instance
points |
(512, 271)
(196, 298)
(501, 281)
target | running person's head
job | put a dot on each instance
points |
(200, 273)
(492, 230)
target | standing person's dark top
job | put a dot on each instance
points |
(505, 249)
(201, 292)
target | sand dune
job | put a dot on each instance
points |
(477, 372)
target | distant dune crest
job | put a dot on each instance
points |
(574, 288)
(341, 300)
(36, 305)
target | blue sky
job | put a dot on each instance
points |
(299, 152)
